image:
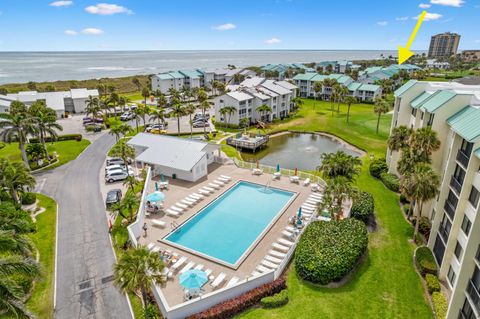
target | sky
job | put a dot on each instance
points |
(89, 25)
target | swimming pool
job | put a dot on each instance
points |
(227, 228)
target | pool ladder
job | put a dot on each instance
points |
(267, 185)
(174, 225)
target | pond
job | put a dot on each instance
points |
(299, 150)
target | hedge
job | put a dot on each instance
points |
(234, 306)
(327, 251)
(391, 181)
(425, 261)
(377, 167)
(440, 305)
(363, 207)
(29, 198)
(424, 226)
(275, 301)
(66, 137)
(432, 283)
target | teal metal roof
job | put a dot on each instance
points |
(354, 86)
(177, 75)
(191, 74)
(304, 76)
(369, 87)
(404, 88)
(465, 123)
(164, 76)
(318, 77)
(418, 101)
(477, 152)
(437, 100)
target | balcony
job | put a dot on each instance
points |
(450, 208)
(456, 185)
(474, 295)
(444, 233)
(463, 158)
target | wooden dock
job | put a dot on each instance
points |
(250, 144)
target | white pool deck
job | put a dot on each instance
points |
(171, 289)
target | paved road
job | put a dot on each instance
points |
(84, 256)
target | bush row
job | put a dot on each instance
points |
(391, 181)
(66, 137)
(233, 306)
(275, 301)
(432, 283)
(327, 251)
(439, 304)
(363, 207)
(377, 167)
(29, 198)
(425, 261)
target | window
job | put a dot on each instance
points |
(474, 197)
(458, 251)
(466, 312)
(438, 250)
(466, 147)
(414, 112)
(466, 225)
(451, 204)
(451, 276)
(444, 228)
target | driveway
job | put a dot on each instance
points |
(84, 287)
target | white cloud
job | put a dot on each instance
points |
(224, 27)
(61, 3)
(430, 16)
(70, 32)
(401, 19)
(92, 31)
(382, 23)
(449, 3)
(107, 9)
(273, 41)
(424, 5)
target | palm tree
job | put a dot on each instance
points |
(425, 141)
(349, 100)
(14, 178)
(264, 110)
(161, 101)
(244, 122)
(186, 93)
(92, 106)
(381, 107)
(174, 94)
(137, 115)
(334, 97)
(203, 104)
(190, 110)
(399, 138)
(342, 92)
(136, 270)
(177, 111)
(158, 114)
(338, 190)
(142, 111)
(16, 125)
(46, 123)
(123, 150)
(340, 164)
(230, 111)
(423, 184)
(146, 95)
(119, 130)
(296, 104)
(130, 201)
(223, 113)
(317, 87)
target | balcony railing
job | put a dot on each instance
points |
(474, 295)
(449, 208)
(463, 158)
(456, 185)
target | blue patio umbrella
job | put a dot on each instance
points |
(156, 196)
(278, 167)
(193, 279)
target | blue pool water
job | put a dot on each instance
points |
(227, 227)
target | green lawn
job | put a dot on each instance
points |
(67, 151)
(386, 284)
(41, 300)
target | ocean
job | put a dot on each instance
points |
(52, 66)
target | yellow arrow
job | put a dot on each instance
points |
(404, 53)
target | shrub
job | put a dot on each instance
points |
(327, 251)
(406, 208)
(233, 306)
(2, 145)
(391, 181)
(277, 300)
(363, 207)
(439, 304)
(425, 261)
(29, 198)
(66, 137)
(403, 199)
(432, 283)
(377, 167)
(424, 226)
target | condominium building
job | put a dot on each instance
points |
(251, 94)
(363, 92)
(376, 73)
(443, 45)
(471, 55)
(453, 111)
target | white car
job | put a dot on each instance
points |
(114, 176)
(114, 166)
(121, 169)
(115, 161)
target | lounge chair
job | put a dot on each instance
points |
(150, 246)
(273, 259)
(187, 267)
(188, 202)
(257, 171)
(218, 280)
(208, 272)
(233, 281)
(158, 223)
(181, 205)
(316, 196)
(277, 175)
(194, 199)
(172, 213)
(256, 273)
(197, 195)
(309, 206)
(311, 202)
(277, 253)
(280, 247)
(211, 190)
(306, 182)
(294, 179)
(285, 242)
(291, 229)
(223, 179)
(269, 264)
(261, 268)
(287, 234)
(214, 185)
(315, 187)
(175, 208)
(219, 183)
(203, 192)
(199, 267)
(226, 177)
(179, 263)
